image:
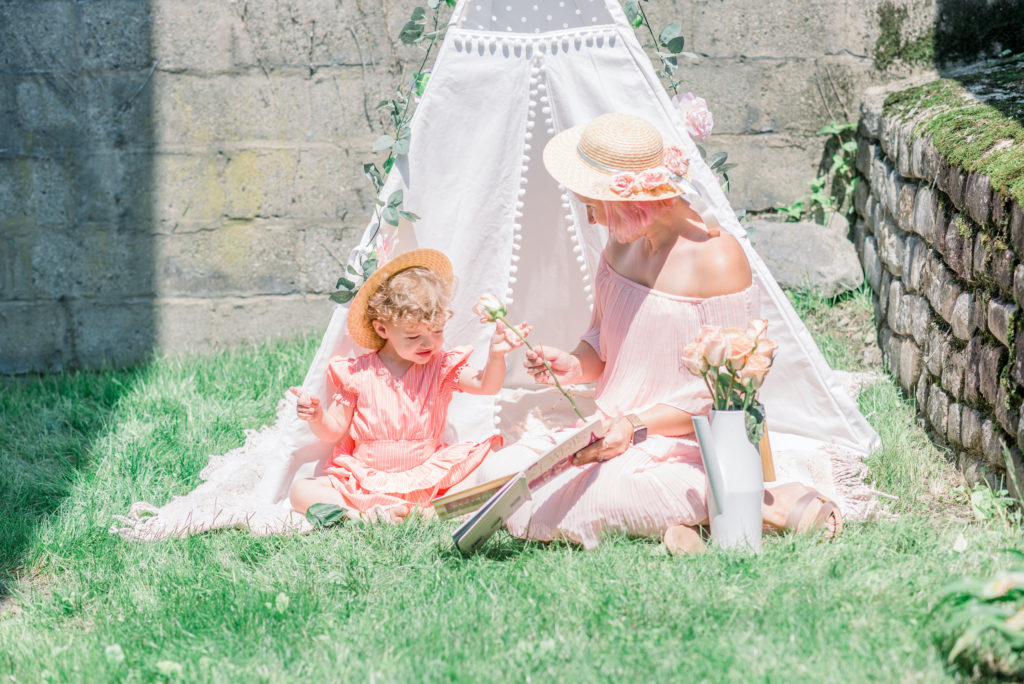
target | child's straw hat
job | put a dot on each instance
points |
(616, 147)
(360, 329)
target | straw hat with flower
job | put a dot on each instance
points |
(360, 329)
(618, 157)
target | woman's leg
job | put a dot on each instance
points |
(305, 493)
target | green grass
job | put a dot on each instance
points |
(397, 603)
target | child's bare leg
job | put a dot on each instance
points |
(305, 493)
(683, 539)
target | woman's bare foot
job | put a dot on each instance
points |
(796, 507)
(683, 539)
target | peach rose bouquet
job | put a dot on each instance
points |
(733, 363)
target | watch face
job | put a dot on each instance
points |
(639, 435)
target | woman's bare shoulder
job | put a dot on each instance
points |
(723, 267)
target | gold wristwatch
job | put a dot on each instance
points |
(639, 429)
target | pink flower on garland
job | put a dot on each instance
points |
(676, 161)
(623, 184)
(699, 121)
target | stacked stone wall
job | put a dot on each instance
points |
(943, 254)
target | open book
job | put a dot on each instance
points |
(494, 501)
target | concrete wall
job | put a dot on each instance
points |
(176, 174)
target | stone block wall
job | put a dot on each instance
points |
(178, 174)
(943, 254)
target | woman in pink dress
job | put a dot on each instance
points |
(387, 414)
(663, 274)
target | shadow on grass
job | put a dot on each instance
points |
(49, 426)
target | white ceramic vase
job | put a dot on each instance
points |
(735, 481)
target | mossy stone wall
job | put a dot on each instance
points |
(940, 233)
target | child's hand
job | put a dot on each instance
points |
(307, 407)
(505, 340)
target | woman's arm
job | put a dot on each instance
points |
(660, 419)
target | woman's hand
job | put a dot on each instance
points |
(505, 340)
(565, 365)
(307, 407)
(617, 436)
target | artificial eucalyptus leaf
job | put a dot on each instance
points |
(383, 104)
(390, 214)
(375, 176)
(633, 15)
(409, 216)
(396, 198)
(717, 158)
(344, 282)
(418, 13)
(369, 266)
(675, 46)
(670, 33)
(342, 296)
(352, 269)
(411, 33)
(432, 4)
(402, 146)
(324, 515)
(388, 164)
(383, 143)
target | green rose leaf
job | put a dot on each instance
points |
(369, 266)
(374, 174)
(388, 164)
(342, 296)
(420, 79)
(324, 515)
(390, 214)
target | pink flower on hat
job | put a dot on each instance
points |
(652, 179)
(623, 184)
(699, 121)
(676, 161)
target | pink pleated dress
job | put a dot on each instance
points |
(640, 334)
(394, 458)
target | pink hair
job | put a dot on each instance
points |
(627, 219)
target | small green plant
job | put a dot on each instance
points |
(832, 191)
(984, 620)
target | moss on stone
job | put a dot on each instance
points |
(893, 45)
(975, 121)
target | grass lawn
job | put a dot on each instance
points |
(396, 603)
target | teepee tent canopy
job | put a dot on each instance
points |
(509, 75)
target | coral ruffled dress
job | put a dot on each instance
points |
(394, 458)
(640, 334)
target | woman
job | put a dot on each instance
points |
(664, 273)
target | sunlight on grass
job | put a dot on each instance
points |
(397, 603)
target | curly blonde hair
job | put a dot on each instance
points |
(413, 295)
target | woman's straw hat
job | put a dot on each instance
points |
(587, 158)
(360, 329)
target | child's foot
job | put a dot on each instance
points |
(683, 539)
(793, 506)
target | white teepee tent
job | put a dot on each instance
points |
(509, 75)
